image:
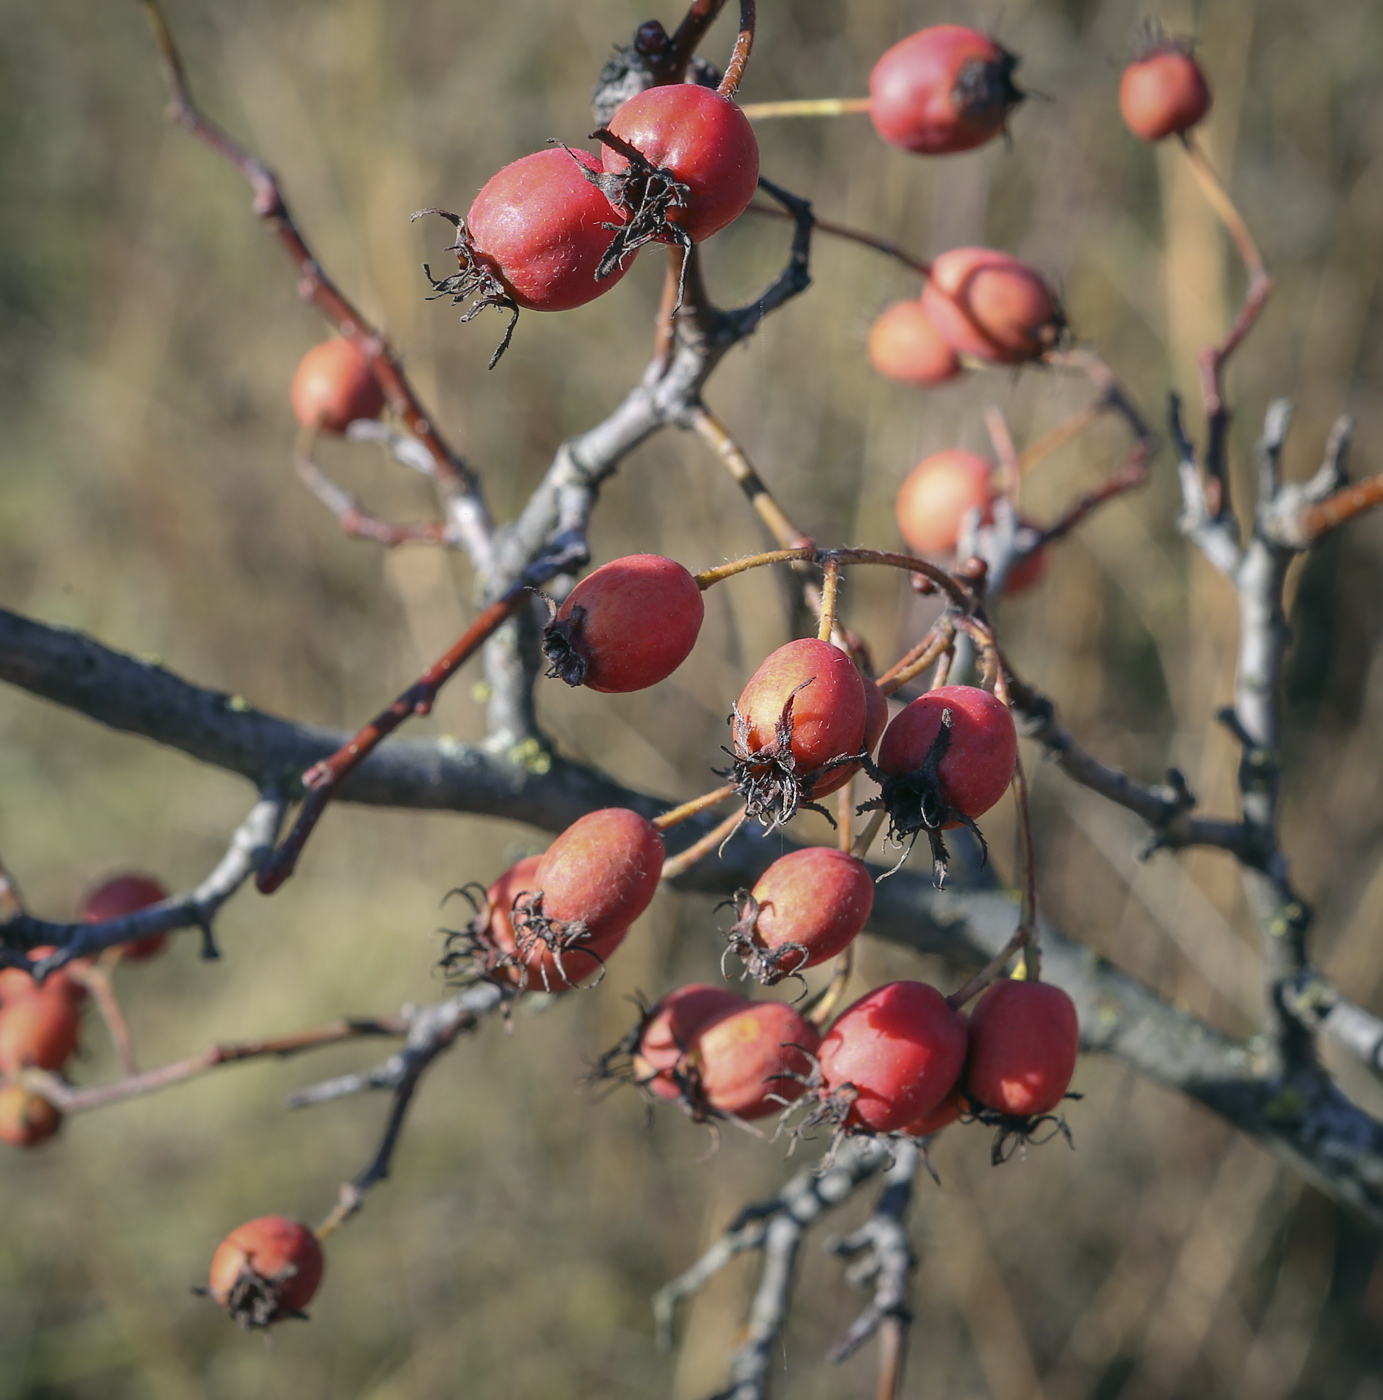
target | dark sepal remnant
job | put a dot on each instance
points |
(475, 281)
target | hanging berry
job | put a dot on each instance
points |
(904, 344)
(992, 306)
(266, 1270)
(1163, 92)
(334, 385)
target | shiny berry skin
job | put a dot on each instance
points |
(747, 1059)
(828, 707)
(26, 1118)
(942, 1116)
(875, 713)
(900, 1050)
(127, 894)
(602, 870)
(1163, 93)
(334, 385)
(670, 1029)
(1024, 1039)
(992, 306)
(943, 90)
(700, 139)
(627, 626)
(978, 764)
(266, 1270)
(906, 346)
(937, 496)
(817, 898)
(538, 227)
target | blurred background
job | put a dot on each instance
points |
(148, 333)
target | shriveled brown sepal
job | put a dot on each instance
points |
(766, 965)
(475, 281)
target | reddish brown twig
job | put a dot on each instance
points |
(357, 522)
(1214, 357)
(95, 977)
(699, 17)
(458, 484)
(853, 235)
(324, 778)
(739, 57)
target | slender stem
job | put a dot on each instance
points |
(1032, 953)
(708, 577)
(845, 815)
(355, 521)
(866, 838)
(853, 235)
(1065, 431)
(1010, 467)
(739, 57)
(914, 662)
(806, 107)
(698, 19)
(690, 809)
(707, 427)
(819, 1010)
(683, 861)
(95, 977)
(830, 584)
(893, 1346)
(459, 484)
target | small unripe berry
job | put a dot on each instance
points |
(937, 496)
(26, 1118)
(1024, 1040)
(977, 767)
(627, 626)
(943, 90)
(892, 1056)
(266, 1270)
(993, 306)
(905, 345)
(334, 385)
(128, 894)
(1163, 92)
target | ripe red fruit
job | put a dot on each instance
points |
(992, 306)
(669, 1029)
(535, 237)
(26, 1118)
(875, 713)
(1024, 1039)
(891, 1057)
(905, 345)
(942, 1116)
(937, 496)
(127, 894)
(748, 1061)
(806, 907)
(38, 1029)
(1163, 92)
(627, 626)
(266, 1270)
(943, 90)
(334, 385)
(802, 712)
(975, 770)
(684, 162)
(15, 983)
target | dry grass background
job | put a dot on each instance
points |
(148, 330)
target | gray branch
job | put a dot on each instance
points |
(1303, 1118)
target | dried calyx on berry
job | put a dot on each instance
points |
(265, 1271)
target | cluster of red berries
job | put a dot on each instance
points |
(901, 1059)
(40, 1023)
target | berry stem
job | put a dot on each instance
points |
(1066, 431)
(866, 838)
(830, 585)
(739, 57)
(690, 809)
(95, 977)
(710, 430)
(952, 587)
(845, 816)
(805, 107)
(852, 235)
(818, 1010)
(935, 644)
(1010, 465)
(683, 861)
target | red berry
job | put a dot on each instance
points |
(602, 870)
(906, 346)
(1163, 92)
(127, 894)
(26, 1118)
(977, 767)
(39, 1029)
(748, 1061)
(806, 907)
(693, 136)
(15, 983)
(942, 90)
(942, 1116)
(875, 713)
(669, 1029)
(1027, 572)
(802, 710)
(892, 1056)
(627, 626)
(266, 1270)
(334, 385)
(937, 496)
(992, 306)
(1024, 1038)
